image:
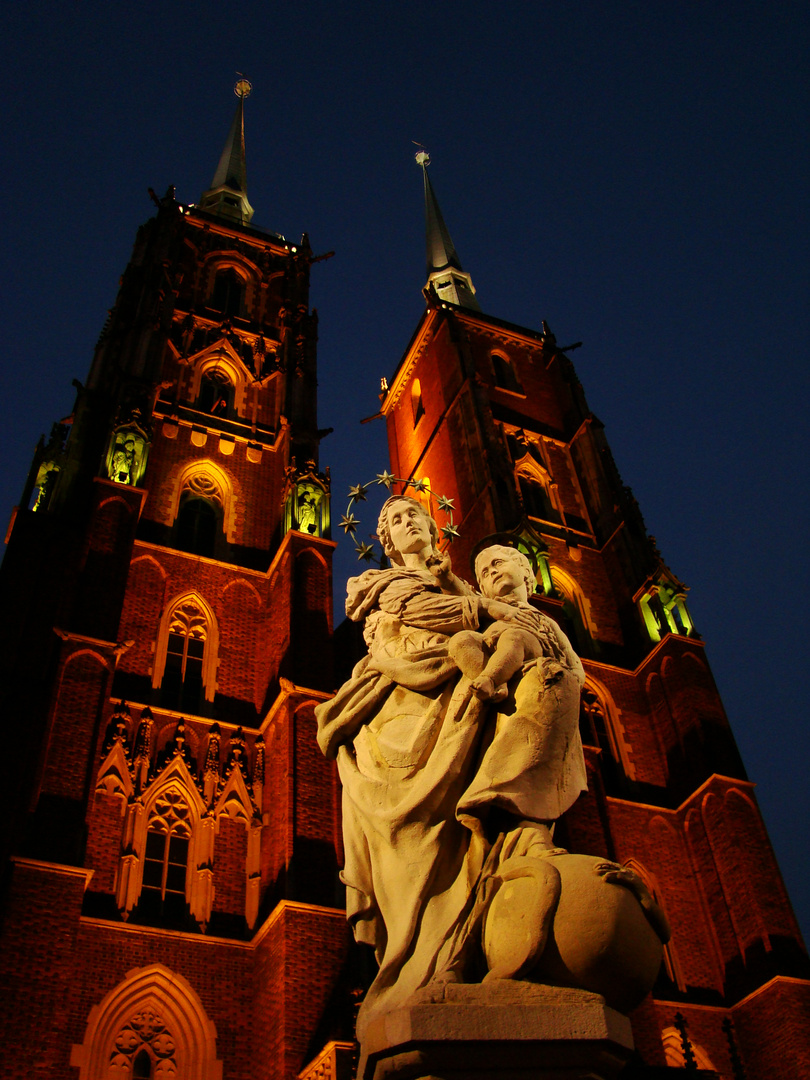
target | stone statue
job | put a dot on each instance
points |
(123, 461)
(457, 743)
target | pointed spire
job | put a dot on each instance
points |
(227, 196)
(444, 271)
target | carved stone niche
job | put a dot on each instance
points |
(127, 452)
(306, 500)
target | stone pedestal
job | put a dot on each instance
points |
(497, 1031)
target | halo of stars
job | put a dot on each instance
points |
(357, 494)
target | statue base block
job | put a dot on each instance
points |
(497, 1031)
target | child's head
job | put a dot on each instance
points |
(502, 570)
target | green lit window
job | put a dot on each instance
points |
(664, 611)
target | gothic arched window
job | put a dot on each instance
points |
(536, 501)
(142, 1066)
(198, 525)
(416, 402)
(186, 655)
(200, 516)
(183, 674)
(592, 723)
(203, 512)
(228, 295)
(595, 730)
(505, 375)
(153, 1020)
(576, 609)
(163, 893)
(216, 393)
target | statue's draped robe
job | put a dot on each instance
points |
(422, 760)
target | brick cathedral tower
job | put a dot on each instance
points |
(492, 416)
(169, 900)
(171, 839)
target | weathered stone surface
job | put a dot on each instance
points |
(506, 1030)
(601, 938)
(440, 780)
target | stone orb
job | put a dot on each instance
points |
(600, 938)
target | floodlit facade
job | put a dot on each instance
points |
(171, 903)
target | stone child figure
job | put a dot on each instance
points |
(490, 659)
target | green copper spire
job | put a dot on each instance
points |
(227, 196)
(444, 270)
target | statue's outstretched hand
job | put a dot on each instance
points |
(441, 568)
(497, 609)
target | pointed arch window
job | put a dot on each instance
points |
(577, 611)
(204, 521)
(216, 393)
(199, 520)
(228, 295)
(536, 501)
(165, 864)
(198, 525)
(505, 376)
(182, 685)
(598, 730)
(417, 405)
(593, 724)
(142, 1066)
(153, 1020)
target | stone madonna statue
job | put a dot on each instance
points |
(457, 750)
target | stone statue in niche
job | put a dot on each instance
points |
(123, 461)
(126, 456)
(458, 747)
(309, 505)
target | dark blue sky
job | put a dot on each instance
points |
(636, 174)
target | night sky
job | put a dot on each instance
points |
(636, 174)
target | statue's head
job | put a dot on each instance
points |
(389, 510)
(488, 560)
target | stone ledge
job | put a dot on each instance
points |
(501, 1031)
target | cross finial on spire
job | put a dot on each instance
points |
(227, 196)
(444, 270)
